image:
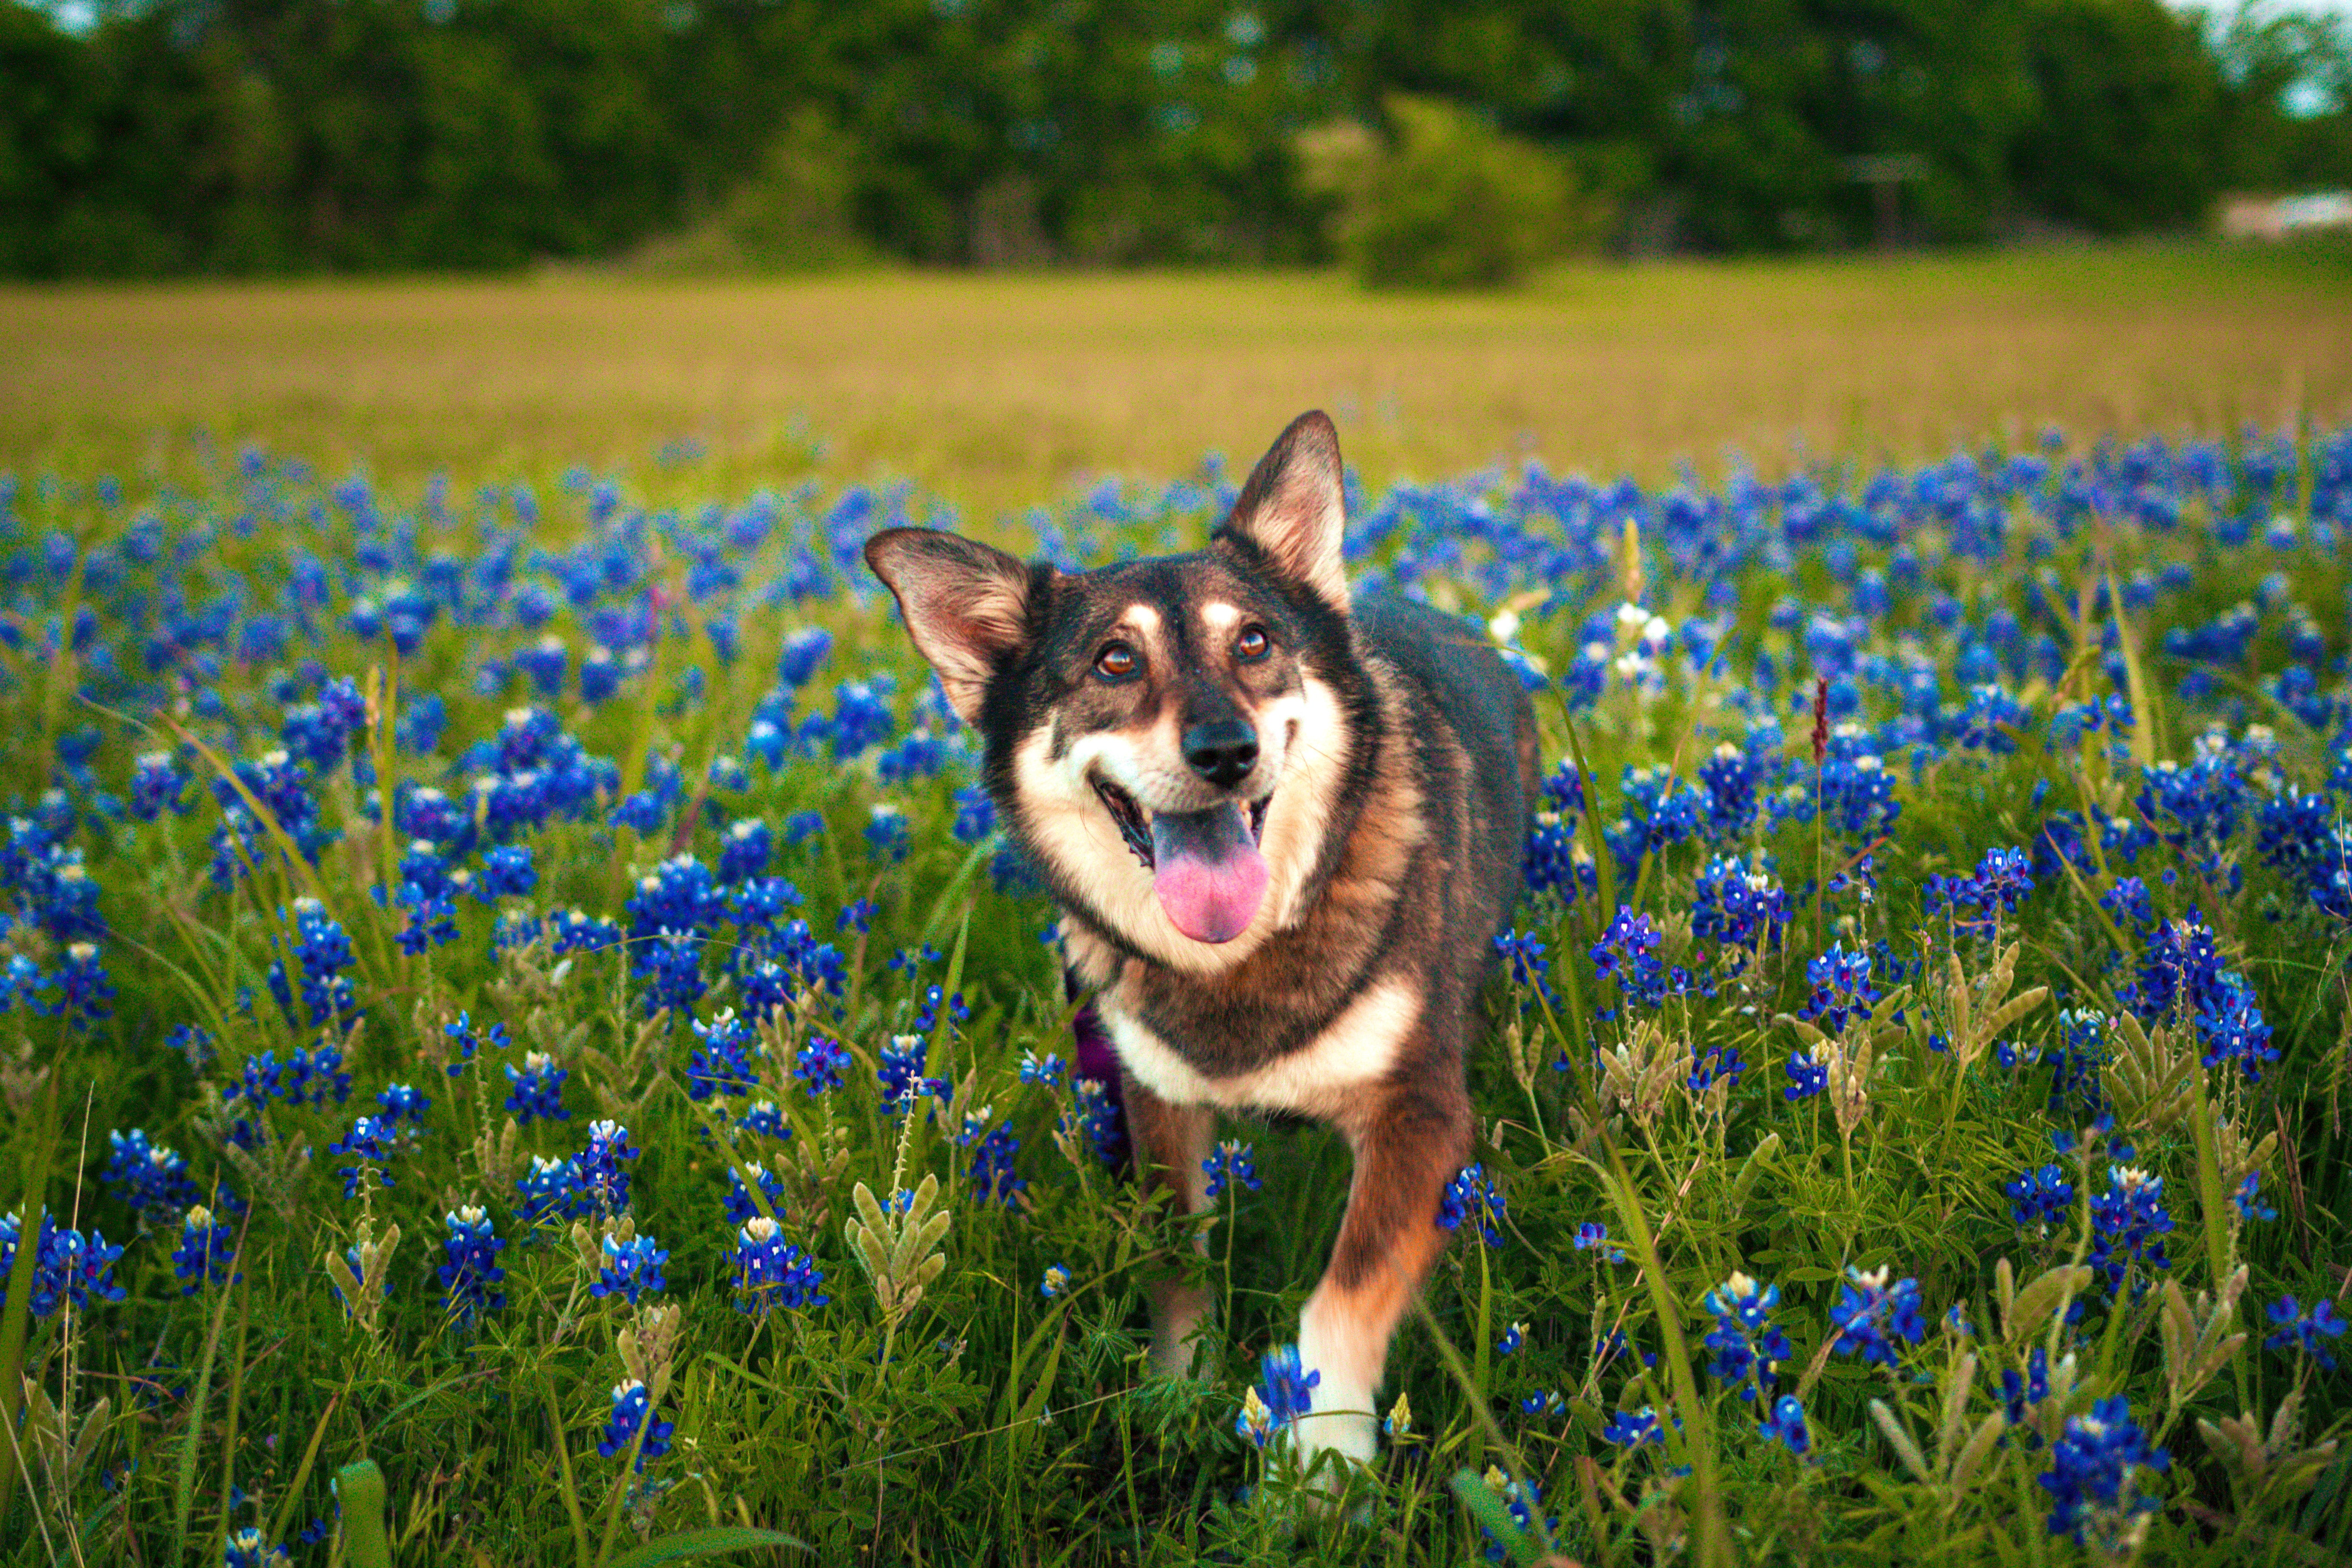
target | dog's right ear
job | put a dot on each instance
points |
(1293, 508)
(966, 606)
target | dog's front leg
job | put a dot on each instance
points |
(1408, 1144)
(1170, 1142)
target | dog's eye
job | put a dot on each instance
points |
(1118, 662)
(1252, 645)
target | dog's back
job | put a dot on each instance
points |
(1479, 704)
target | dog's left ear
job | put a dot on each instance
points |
(1293, 511)
(966, 606)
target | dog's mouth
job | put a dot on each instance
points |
(1206, 866)
(1135, 823)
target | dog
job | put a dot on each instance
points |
(1284, 826)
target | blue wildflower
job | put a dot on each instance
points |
(632, 1415)
(1230, 1161)
(2305, 1331)
(1471, 1196)
(1872, 1317)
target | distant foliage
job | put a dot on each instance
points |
(1457, 205)
(191, 136)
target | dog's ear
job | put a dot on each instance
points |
(966, 606)
(1291, 509)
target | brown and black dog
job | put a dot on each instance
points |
(1284, 828)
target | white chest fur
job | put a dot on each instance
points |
(1358, 1047)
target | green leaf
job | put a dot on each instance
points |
(703, 1543)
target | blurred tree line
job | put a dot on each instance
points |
(261, 136)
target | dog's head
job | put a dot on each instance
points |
(1168, 738)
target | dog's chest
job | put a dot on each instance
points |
(1361, 1045)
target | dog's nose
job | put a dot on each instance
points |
(1221, 752)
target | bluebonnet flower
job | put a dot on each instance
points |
(1542, 1402)
(2246, 1202)
(507, 872)
(629, 1268)
(86, 991)
(740, 1208)
(432, 919)
(401, 1103)
(68, 1266)
(245, 1549)
(633, 1412)
(1283, 1395)
(1660, 811)
(1627, 951)
(804, 651)
(744, 849)
(1512, 1338)
(463, 1035)
(1636, 1429)
(322, 951)
(576, 932)
(1808, 1073)
(901, 1073)
(2094, 1496)
(1556, 860)
(1738, 907)
(2039, 1199)
(1871, 1317)
(721, 1062)
(993, 1174)
(1713, 1064)
(2128, 1223)
(926, 1018)
(370, 1146)
(470, 1278)
(888, 837)
(154, 1181)
(1471, 1196)
(1748, 1347)
(598, 1167)
(1522, 957)
(192, 1043)
(157, 785)
(2020, 1396)
(771, 1272)
(2076, 1092)
(206, 1253)
(535, 1090)
(765, 1117)
(1230, 1161)
(672, 962)
(975, 816)
(1734, 781)
(2306, 1331)
(1787, 1426)
(1048, 1071)
(1842, 987)
(1593, 1237)
(821, 1066)
(1057, 1281)
(1096, 1114)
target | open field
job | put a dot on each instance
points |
(999, 390)
(487, 969)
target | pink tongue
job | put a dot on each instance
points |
(1207, 871)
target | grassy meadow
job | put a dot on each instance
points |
(522, 1042)
(999, 391)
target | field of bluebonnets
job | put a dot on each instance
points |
(521, 987)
